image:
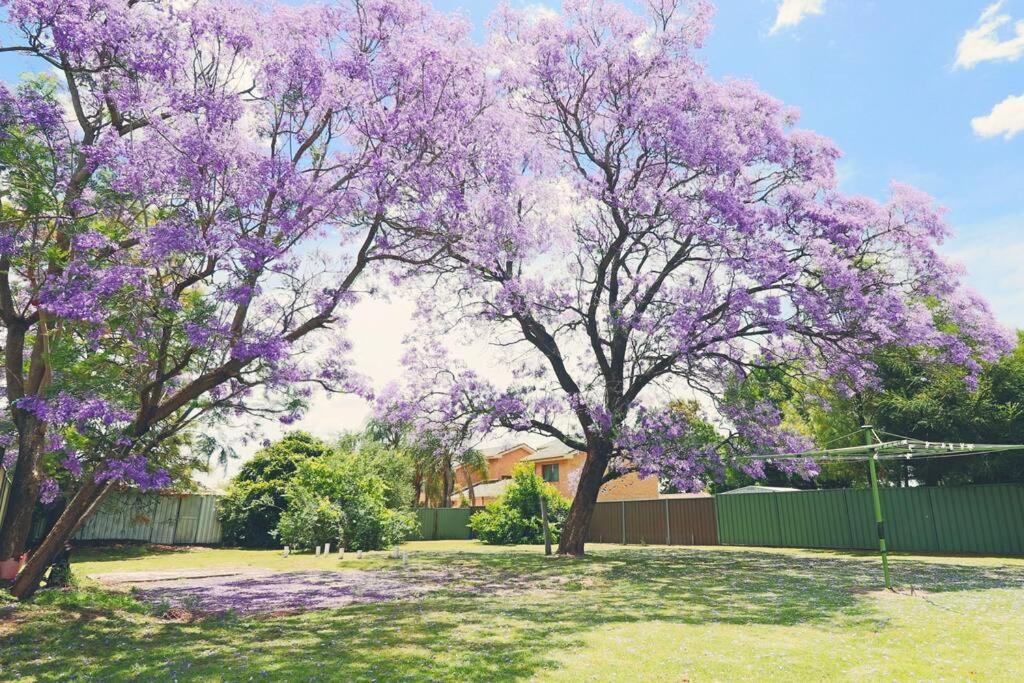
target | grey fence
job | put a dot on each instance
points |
(169, 519)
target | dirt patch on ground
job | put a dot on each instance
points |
(253, 591)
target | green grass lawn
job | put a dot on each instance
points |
(622, 613)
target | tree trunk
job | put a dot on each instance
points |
(417, 487)
(469, 487)
(78, 510)
(446, 485)
(574, 531)
(24, 494)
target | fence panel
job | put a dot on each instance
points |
(123, 516)
(154, 518)
(645, 521)
(692, 521)
(187, 525)
(674, 521)
(208, 531)
(748, 519)
(606, 524)
(909, 523)
(444, 523)
(956, 519)
(980, 519)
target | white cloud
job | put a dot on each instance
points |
(983, 43)
(1006, 119)
(792, 12)
(994, 258)
(540, 12)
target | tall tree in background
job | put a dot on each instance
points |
(208, 152)
(436, 411)
(254, 500)
(918, 395)
(633, 230)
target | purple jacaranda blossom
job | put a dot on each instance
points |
(133, 470)
(48, 491)
(228, 174)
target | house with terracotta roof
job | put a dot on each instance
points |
(556, 463)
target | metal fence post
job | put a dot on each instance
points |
(623, 522)
(668, 526)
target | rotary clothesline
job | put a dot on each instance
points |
(902, 447)
(898, 448)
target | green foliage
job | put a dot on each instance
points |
(251, 509)
(916, 397)
(342, 500)
(394, 465)
(310, 520)
(515, 518)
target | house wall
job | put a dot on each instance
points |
(629, 487)
(626, 487)
(496, 468)
(503, 466)
(568, 474)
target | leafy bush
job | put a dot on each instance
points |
(339, 500)
(515, 518)
(310, 521)
(252, 506)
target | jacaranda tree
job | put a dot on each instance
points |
(633, 230)
(210, 181)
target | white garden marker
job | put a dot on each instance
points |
(341, 553)
(327, 548)
(287, 551)
(359, 555)
(318, 551)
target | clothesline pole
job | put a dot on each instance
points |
(877, 501)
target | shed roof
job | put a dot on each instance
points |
(759, 489)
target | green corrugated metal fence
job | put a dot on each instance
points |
(965, 519)
(169, 519)
(444, 523)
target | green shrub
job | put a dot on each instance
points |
(310, 521)
(338, 500)
(515, 518)
(252, 505)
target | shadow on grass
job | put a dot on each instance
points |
(472, 632)
(117, 552)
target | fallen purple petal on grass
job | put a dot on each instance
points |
(263, 591)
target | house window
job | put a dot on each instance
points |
(549, 472)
